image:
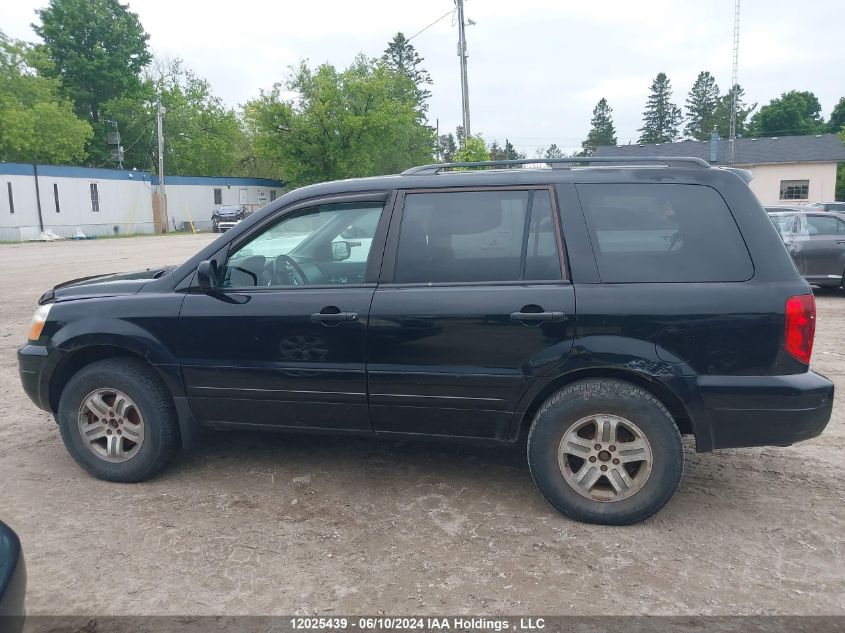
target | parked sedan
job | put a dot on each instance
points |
(816, 242)
(225, 217)
(826, 206)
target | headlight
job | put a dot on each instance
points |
(38, 321)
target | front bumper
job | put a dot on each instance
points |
(32, 362)
(764, 410)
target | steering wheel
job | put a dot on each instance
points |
(288, 272)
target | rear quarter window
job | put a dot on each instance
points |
(663, 233)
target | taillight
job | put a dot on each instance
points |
(800, 327)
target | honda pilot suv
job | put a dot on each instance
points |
(600, 310)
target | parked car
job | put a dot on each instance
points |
(225, 217)
(12, 581)
(816, 242)
(778, 209)
(457, 318)
(826, 206)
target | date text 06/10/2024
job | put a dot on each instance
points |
(460, 623)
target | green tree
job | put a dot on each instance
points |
(722, 115)
(357, 122)
(97, 49)
(661, 117)
(701, 105)
(497, 152)
(837, 117)
(553, 151)
(401, 56)
(602, 132)
(36, 123)
(793, 113)
(473, 149)
(511, 153)
(447, 147)
(203, 137)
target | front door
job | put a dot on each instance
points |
(282, 341)
(472, 309)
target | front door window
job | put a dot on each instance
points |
(324, 245)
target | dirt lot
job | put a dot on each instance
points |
(275, 524)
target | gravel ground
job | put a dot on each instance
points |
(276, 524)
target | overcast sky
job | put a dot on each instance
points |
(536, 67)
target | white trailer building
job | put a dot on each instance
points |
(102, 202)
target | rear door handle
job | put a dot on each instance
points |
(537, 317)
(333, 318)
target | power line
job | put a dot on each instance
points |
(423, 30)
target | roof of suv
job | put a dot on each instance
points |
(523, 172)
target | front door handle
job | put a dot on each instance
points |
(537, 317)
(331, 315)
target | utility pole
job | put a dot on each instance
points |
(734, 81)
(160, 110)
(462, 53)
(437, 141)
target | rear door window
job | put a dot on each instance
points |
(663, 233)
(825, 225)
(477, 236)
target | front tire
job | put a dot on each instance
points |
(118, 421)
(605, 451)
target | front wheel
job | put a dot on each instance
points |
(605, 451)
(118, 421)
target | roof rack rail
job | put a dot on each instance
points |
(564, 163)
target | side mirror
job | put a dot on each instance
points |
(207, 275)
(341, 251)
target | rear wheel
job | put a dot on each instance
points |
(605, 451)
(118, 421)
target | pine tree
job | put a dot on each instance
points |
(553, 151)
(497, 152)
(401, 56)
(661, 117)
(701, 105)
(511, 153)
(722, 115)
(602, 131)
(447, 147)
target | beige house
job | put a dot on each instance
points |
(788, 170)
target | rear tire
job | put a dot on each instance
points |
(605, 451)
(118, 421)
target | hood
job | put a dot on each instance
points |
(108, 285)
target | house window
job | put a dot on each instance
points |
(272, 195)
(56, 197)
(794, 189)
(95, 197)
(11, 198)
(218, 195)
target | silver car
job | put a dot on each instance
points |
(816, 242)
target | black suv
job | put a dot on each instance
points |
(603, 311)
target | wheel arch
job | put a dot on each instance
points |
(666, 396)
(170, 376)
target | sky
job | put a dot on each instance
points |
(536, 67)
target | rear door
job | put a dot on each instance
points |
(823, 253)
(473, 307)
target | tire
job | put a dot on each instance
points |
(150, 418)
(654, 461)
